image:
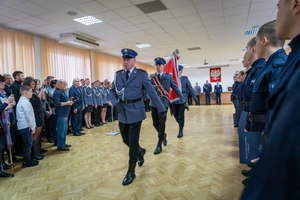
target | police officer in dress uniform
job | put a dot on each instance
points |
(166, 81)
(197, 90)
(207, 90)
(178, 106)
(218, 90)
(126, 96)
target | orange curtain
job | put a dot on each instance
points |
(16, 52)
(64, 62)
(105, 66)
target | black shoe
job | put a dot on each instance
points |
(251, 165)
(91, 127)
(245, 181)
(42, 151)
(5, 166)
(76, 134)
(158, 148)
(30, 163)
(142, 153)
(16, 160)
(63, 149)
(50, 140)
(68, 145)
(180, 134)
(82, 133)
(81, 130)
(88, 127)
(39, 157)
(165, 140)
(246, 173)
(130, 176)
(55, 144)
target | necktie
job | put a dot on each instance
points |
(127, 74)
(78, 89)
(158, 77)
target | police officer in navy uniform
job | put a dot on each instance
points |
(207, 90)
(178, 106)
(166, 81)
(277, 174)
(126, 96)
(218, 91)
(268, 46)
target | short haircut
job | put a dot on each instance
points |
(268, 30)
(86, 79)
(252, 43)
(75, 79)
(49, 78)
(27, 81)
(6, 75)
(2, 78)
(24, 88)
(17, 73)
(61, 81)
(53, 83)
(82, 79)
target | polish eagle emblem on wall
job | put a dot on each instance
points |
(215, 74)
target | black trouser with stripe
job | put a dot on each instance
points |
(159, 122)
(131, 136)
(178, 111)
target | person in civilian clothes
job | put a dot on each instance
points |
(126, 96)
(15, 88)
(197, 90)
(105, 97)
(38, 110)
(207, 90)
(97, 98)
(276, 175)
(178, 106)
(218, 91)
(62, 110)
(76, 110)
(6, 105)
(87, 96)
(159, 121)
(8, 82)
(26, 124)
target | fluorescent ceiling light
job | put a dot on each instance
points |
(85, 46)
(88, 20)
(143, 45)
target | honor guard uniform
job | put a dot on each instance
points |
(126, 96)
(218, 90)
(162, 83)
(178, 106)
(207, 90)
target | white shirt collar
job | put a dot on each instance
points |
(130, 70)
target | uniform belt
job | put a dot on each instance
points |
(257, 117)
(126, 101)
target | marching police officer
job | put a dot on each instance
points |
(218, 90)
(126, 95)
(162, 82)
(178, 106)
(207, 90)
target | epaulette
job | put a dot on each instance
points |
(141, 70)
(120, 70)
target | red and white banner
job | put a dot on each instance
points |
(215, 74)
(172, 68)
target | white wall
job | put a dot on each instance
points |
(201, 75)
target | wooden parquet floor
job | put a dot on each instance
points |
(204, 164)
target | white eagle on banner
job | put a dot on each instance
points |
(215, 74)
